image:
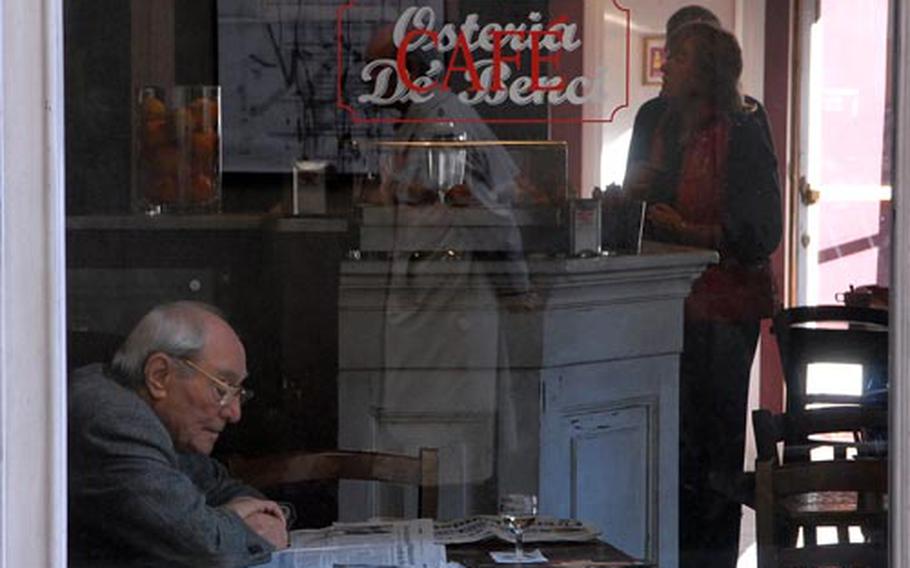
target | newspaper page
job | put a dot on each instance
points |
(379, 543)
(483, 527)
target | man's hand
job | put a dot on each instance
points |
(246, 506)
(263, 517)
(270, 528)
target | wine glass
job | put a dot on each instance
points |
(519, 512)
(446, 161)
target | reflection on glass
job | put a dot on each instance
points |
(519, 512)
(446, 164)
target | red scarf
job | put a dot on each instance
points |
(702, 182)
(729, 291)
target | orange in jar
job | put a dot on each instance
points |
(205, 147)
(204, 113)
(194, 111)
(165, 161)
(203, 189)
(154, 133)
(183, 123)
(153, 109)
(163, 189)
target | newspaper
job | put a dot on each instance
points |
(415, 543)
(374, 543)
(483, 527)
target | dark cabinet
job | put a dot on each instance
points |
(275, 279)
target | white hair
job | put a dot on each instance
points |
(177, 329)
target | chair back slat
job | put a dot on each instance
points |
(295, 467)
(831, 334)
(772, 429)
(840, 493)
(827, 476)
(835, 555)
(428, 497)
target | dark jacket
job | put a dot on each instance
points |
(752, 223)
(134, 500)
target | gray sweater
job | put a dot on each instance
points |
(134, 500)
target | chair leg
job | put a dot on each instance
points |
(843, 534)
(810, 535)
(766, 530)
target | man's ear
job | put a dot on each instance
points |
(158, 371)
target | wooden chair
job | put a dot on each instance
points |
(291, 468)
(841, 493)
(832, 334)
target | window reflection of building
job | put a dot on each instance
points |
(102, 202)
(442, 171)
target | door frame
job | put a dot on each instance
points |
(32, 285)
(900, 300)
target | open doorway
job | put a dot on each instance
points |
(842, 121)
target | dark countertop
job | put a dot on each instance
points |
(214, 222)
(596, 554)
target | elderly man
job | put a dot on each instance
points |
(143, 490)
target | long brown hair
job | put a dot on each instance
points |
(718, 63)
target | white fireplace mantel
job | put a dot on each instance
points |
(569, 391)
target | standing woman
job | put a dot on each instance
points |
(710, 176)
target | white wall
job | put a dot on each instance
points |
(32, 419)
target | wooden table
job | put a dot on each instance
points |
(575, 554)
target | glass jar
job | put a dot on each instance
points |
(178, 150)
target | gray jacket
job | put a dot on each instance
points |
(134, 500)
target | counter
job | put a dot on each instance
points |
(569, 391)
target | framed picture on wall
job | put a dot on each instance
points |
(653, 56)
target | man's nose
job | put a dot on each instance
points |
(231, 411)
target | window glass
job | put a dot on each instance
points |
(536, 246)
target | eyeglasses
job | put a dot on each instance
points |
(226, 393)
